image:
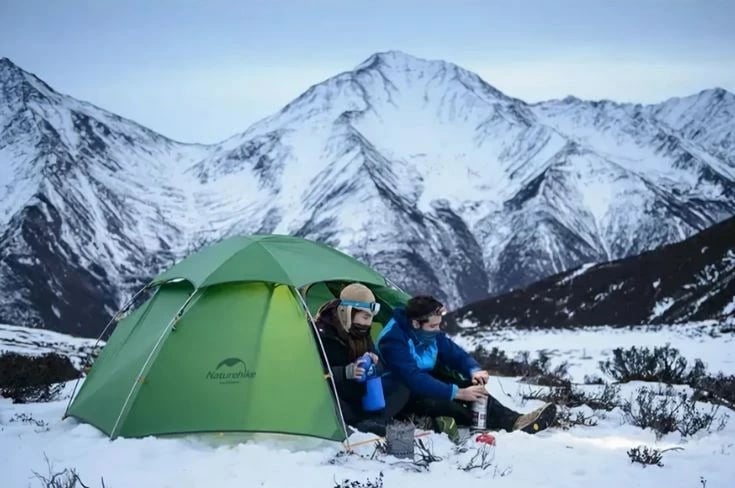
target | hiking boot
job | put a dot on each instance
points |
(373, 426)
(448, 426)
(537, 420)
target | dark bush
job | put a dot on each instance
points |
(670, 412)
(648, 456)
(557, 376)
(424, 454)
(34, 378)
(67, 478)
(607, 399)
(718, 389)
(377, 483)
(538, 371)
(26, 418)
(482, 458)
(568, 396)
(566, 419)
(664, 364)
(496, 362)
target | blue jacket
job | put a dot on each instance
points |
(405, 358)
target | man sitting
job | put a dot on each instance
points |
(417, 353)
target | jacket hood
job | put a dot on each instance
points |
(401, 319)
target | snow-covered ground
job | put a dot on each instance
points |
(25, 340)
(582, 456)
(583, 349)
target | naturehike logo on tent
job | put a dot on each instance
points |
(234, 370)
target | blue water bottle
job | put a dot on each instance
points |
(373, 399)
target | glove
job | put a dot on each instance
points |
(353, 371)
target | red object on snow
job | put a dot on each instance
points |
(486, 438)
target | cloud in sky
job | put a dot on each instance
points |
(202, 71)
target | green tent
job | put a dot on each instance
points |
(226, 343)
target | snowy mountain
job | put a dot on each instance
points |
(417, 167)
(88, 204)
(705, 118)
(692, 280)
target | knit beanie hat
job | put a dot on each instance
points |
(354, 292)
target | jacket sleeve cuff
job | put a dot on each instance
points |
(455, 389)
(379, 369)
(474, 370)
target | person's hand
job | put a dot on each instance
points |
(354, 372)
(471, 393)
(480, 377)
(374, 357)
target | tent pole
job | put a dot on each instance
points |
(141, 373)
(394, 286)
(120, 312)
(312, 322)
(114, 319)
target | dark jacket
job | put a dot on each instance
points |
(412, 363)
(339, 354)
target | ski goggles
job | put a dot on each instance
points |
(373, 307)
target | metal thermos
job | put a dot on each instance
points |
(479, 414)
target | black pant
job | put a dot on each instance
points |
(498, 415)
(396, 399)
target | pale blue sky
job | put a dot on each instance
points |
(202, 71)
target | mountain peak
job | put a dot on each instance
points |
(13, 76)
(392, 78)
(395, 62)
(397, 59)
(9, 69)
(717, 93)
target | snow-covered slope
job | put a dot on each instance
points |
(705, 118)
(689, 280)
(88, 202)
(417, 167)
